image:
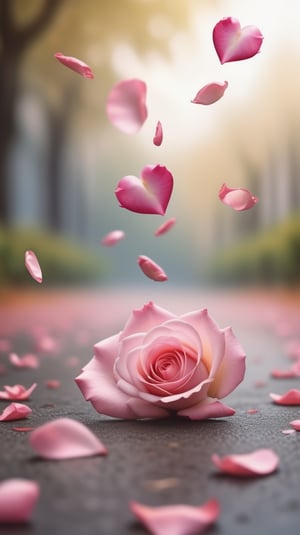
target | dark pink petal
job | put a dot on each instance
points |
(26, 361)
(75, 64)
(151, 269)
(210, 93)
(126, 105)
(158, 136)
(17, 392)
(295, 424)
(149, 194)
(33, 267)
(17, 500)
(165, 227)
(233, 43)
(291, 397)
(113, 237)
(65, 438)
(176, 519)
(15, 411)
(257, 463)
(237, 198)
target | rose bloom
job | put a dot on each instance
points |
(161, 364)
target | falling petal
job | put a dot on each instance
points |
(257, 463)
(26, 361)
(17, 392)
(295, 424)
(33, 267)
(126, 105)
(113, 237)
(291, 397)
(239, 198)
(210, 93)
(151, 269)
(233, 43)
(15, 411)
(65, 438)
(75, 65)
(165, 227)
(17, 500)
(158, 136)
(176, 519)
(149, 194)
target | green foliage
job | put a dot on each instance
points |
(61, 261)
(272, 257)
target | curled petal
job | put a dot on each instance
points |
(295, 424)
(233, 43)
(113, 237)
(257, 463)
(15, 411)
(27, 361)
(207, 409)
(165, 227)
(17, 392)
(33, 267)
(210, 93)
(17, 500)
(176, 519)
(291, 397)
(237, 198)
(158, 136)
(151, 269)
(65, 438)
(75, 65)
(126, 105)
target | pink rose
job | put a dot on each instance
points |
(161, 364)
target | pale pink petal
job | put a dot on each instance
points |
(158, 136)
(126, 105)
(18, 498)
(52, 383)
(149, 194)
(165, 227)
(151, 269)
(233, 43)
(65, 438)
(112, 238)
(295, 424)
(257, 463)
(176, 519)
(33, 267)
(146, 318)
(207, 409)
(17, 392)
(290, 373)
(210, 93)
(75, 65)
(288, 431)
(291, 397)
(26, 361)
(252, 411)
(237, 198)
(15, 411)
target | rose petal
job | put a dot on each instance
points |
(257, 463)
(151, 269)
(75, 65)
(33, 267)
(295, 424)
(158, 136)
(126, 105)
(149, 194)
(176, 519)
(165, 227)
(210, 93)
(113, 237)
(252, 411)
(207, 409)
(17, 500)
(145, 318)
(237, 198)
(23, 429)
(233, 43)
(291, 397)
(290, 373)
(65, 438)
(288, 431)
(26, 361)
(52, 383)
(17, 392)
(15, 411)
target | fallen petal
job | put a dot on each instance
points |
(126, 105)
(176, 519)
(288, 431)
(17, 500)
(151, 269)
(23, 429)
(33, 267)
(295, 424)
(75, 65)
(158, 136)
(165, 227)
(113, 237)
(252, 411)
(17, 392)
(237, 198)
(291, 397)
(233, 43)
(52, 383)
(65, 438)
(15, 411)
(26, 361)
(257, 463)
(210, 93)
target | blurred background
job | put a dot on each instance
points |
(61, 159)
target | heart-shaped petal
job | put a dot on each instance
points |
(33, 267)
(126, 105)
(17, 500)
(237, 198)
(149, 194)
(151, 269)
(233, 43)
(15, 411)
(158, 136)
(257, 463)
(210, 93)
(75, 65)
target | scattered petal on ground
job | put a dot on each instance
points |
(233, 43)
(290, 373)
(17, 500)
(295, 424)
(112, 238)
(257, 463)
(17, 392)
(252, 411)
(75, 64)
(126, 105)
(176, 519)
(158, 136)
(26, 361)
(52, 383)
(291, 397)
(23, 429)
(15, 411)
(33, 267)
(151, 269)
(288, 431)
(165, 227)
(210, 93)
(237, 198)
(65, 438)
